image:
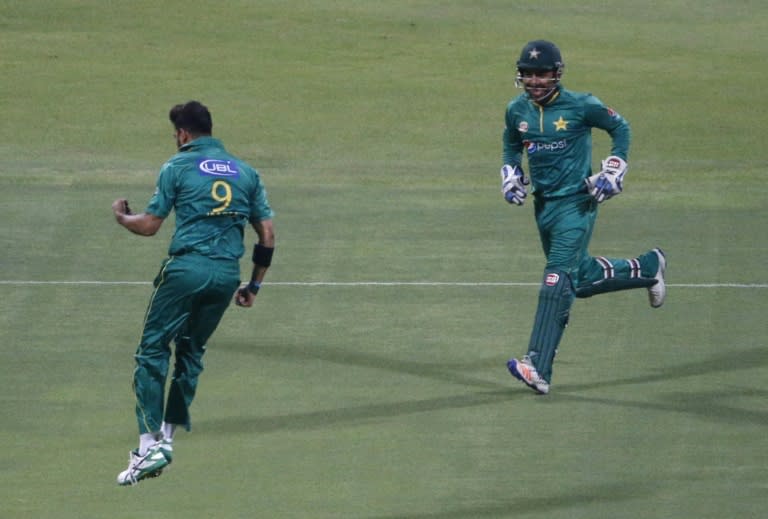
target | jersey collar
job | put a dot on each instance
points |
(202, 142)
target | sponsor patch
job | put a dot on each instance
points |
(534, 147)
(523, 127)
(218, 168)
(552, 279)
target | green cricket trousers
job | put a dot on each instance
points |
(565, 229)
(190, 296)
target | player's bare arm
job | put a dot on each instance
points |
(143, 224)
(262, 259)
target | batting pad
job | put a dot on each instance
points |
(599, 275)
(556, 297)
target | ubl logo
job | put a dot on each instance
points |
(220, 168)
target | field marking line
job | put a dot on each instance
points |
(376, 284)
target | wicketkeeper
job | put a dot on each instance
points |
(554, 127)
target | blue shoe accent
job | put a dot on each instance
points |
(525, 372)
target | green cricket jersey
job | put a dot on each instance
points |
(214, 195)
(557, 138)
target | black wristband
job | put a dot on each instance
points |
(253, 287)
(262, 255)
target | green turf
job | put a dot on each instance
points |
(376, 126)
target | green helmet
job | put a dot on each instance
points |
(541, 55)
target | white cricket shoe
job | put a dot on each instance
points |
(142, 467)
(524, 371)
(658, 292)
(166, 447)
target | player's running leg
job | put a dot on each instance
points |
(599, 275)
(556, 297)
(140, 467)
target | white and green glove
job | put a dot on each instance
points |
(609, 182)
(513, 184)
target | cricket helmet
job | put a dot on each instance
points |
(540, 55)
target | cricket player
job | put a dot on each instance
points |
(553, 126)
(215, 196)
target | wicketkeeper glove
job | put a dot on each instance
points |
(513, 184)
(609, 182)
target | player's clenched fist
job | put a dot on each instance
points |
(120, 206)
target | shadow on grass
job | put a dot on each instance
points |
(710, 405)
(726, 362)
(443, 372)
(350, 415)
(704, 404)
(542, 504)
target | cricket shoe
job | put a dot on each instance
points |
(166, 447)
(142, 467)
(658, 292)
(524, 371)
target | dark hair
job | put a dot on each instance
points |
(192, 116)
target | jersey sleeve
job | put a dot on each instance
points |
(164, 197)
(260, 208)
(512, 151)
(598, 115)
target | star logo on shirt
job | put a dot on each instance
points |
(534, 53)
(560, 124)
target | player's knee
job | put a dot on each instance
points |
(557, 283)
(557, 291)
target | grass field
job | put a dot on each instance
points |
(376, 126)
